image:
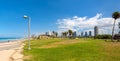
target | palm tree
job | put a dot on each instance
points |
(70, 32)
(56, 34)
(115, 15)
(65, 34)
(53, 34)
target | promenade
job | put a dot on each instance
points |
(11, 51)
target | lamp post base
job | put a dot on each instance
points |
(29, 48)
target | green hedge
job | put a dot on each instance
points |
(105, 36)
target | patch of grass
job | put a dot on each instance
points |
(85, 50)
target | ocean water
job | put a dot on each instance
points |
(6, 39)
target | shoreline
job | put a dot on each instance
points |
(5, 41)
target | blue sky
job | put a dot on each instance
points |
(45, 13)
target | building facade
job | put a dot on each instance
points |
(90, 33)
(82, 34)
(95, 30)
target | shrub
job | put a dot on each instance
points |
(105, 36)
(116, 36)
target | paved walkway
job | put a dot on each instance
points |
(9, 45)
(11, 51)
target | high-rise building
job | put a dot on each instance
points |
(48, 33)
(81, 34)
(86, 34)
(90, 33)
(74, 34)
(95, 31)
(119, 27)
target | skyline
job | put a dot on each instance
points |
(46, 15)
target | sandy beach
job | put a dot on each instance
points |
(11, 51)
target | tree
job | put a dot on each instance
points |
(33, 36)
(70, 33)
(56, 34)
(104, 36)
(64, 34)
(53, 34)
(115, 15)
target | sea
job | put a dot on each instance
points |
(7, 39)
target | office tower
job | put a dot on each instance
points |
(95, 31)
(81, 34)
(90, 33)
(74, 34)
(86, 34)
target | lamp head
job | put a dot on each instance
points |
(25, 16)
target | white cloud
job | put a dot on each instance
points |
(81, 24)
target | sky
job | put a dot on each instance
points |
(56, 15)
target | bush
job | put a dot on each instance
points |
(105, 36)
(116, 36)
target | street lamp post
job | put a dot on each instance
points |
(26, 17)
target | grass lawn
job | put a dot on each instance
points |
(72, 50)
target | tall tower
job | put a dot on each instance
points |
(74, 34)
(81, 34)
(86, 34)
(90, 33)
(95, 31)
(119, 27)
